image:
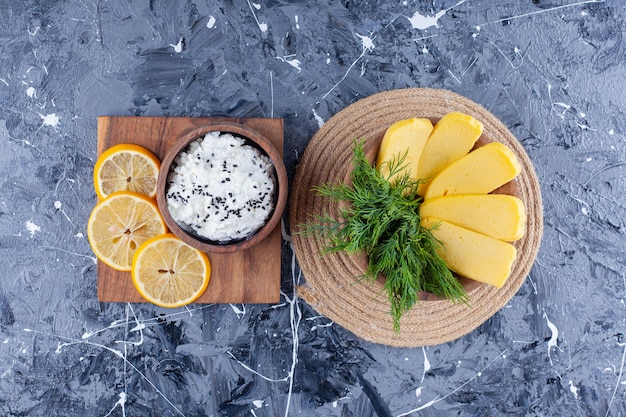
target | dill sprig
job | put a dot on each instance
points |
(381, 219)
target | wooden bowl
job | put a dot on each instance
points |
(252, 138)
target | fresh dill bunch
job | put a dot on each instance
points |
(381, 219)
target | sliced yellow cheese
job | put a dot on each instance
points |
(473, 255)
(405, 138)
(479, 172)
(499, 216)
(453, 136)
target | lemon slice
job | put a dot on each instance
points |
(119, 224)
(169, 273)
(126, 167)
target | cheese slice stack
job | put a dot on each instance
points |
(474, 226)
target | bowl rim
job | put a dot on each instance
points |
(249, 134)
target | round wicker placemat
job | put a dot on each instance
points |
(332, 285)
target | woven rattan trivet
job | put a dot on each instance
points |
(332, 287)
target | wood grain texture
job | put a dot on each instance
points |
(249, 276)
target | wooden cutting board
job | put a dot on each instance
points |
(249, 276)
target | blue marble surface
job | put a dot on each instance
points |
(554, 71)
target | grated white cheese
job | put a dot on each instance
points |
(221, 188)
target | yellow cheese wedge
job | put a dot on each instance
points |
(453, 136)
(479, 172)
(499, 216)
(473, 255)
(405, 137)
